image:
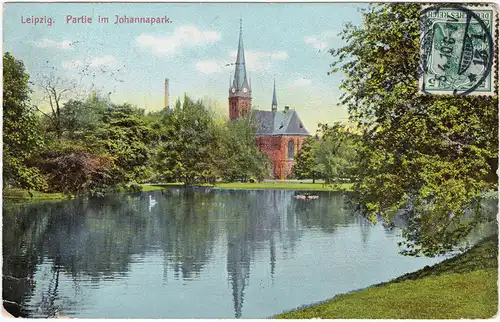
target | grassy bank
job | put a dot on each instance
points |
(461, 287)
(15, 194)
(261, 186)
(284, 186)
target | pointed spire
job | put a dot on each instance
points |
(240, 72)
(274, 105)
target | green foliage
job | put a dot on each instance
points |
(335, 153)
(238, 157)
(21, 135)
(305, 162)
(92, 146)
(186, 152)
(80, 119)
(432, 154)
(330, 155)
(126, 137)
(73, 169)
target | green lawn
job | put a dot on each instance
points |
(23, 195)
(260, 186)
(153, 187)
(461, 287)
(283, 186)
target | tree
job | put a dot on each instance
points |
(305, 164)
(329, 155)
(21, 136)
(56, 90)
(188, 150)
(126, 137)
(335, 153)
(70, 168)
(432, 155)
(81, 119)
(238, 157)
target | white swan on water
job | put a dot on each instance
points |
(152, 203)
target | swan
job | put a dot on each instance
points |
(152, 202)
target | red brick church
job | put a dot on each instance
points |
(280, 134)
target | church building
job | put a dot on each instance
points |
(279, 133)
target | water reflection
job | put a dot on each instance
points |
(59, 256)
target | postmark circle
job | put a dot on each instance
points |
(456, 50)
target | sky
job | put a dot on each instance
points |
(287, 42)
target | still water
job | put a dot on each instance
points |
(191, 254)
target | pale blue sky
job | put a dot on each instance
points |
(285, 41)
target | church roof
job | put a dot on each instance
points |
(278, 123)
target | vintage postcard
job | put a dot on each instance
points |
(250, 160)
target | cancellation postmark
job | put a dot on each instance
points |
(457, 50)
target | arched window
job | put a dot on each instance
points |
(290, 150)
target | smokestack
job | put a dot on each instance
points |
(166, 92)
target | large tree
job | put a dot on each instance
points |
(187, 149)
(21, 136)
(126, 137)
(305, 163)
(80, 119)
(335, 153)
(431, 154)
(237, 156)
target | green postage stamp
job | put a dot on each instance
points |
(457, 50)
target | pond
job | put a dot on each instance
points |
(191, 254)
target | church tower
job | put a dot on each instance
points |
(240, 92)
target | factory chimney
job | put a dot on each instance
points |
(166, 93)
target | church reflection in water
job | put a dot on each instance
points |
(99, 239)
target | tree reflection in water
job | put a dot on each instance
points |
(56, 253)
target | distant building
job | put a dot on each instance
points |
(280, 134)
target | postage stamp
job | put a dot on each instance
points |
(457, 50)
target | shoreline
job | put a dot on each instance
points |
(21, 195)
(451, 276)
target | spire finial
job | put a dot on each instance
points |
(240, 73)
(274, 104)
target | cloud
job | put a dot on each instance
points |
(93, 62)
(301, 82)
(258, 60)
(182, 37)
(72, 64)
(107, 60)
(255, 60)
(47, 43)
(209, 66)
(316, 43)
(321, 41)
